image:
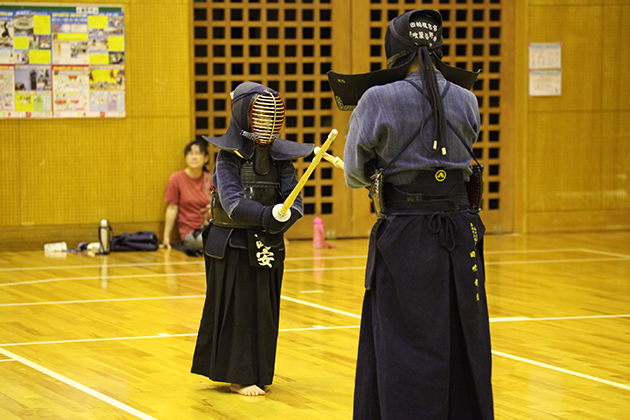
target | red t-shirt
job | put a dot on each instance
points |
(191, 196)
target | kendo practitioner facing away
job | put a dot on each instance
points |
(244, 247)
(424, 347)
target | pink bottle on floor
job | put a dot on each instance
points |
(319, 236)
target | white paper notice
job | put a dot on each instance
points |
(545, 82)
(545, 55)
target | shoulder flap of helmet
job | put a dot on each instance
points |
(232, 141)
(282, 149)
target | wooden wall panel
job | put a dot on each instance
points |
(10, 202)
(78, 172)
(576, 165)
(159, 75)
(616, 59)
(565, 162)
(582, 66)
(154, 158)
(615, 145)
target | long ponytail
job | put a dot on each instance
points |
(429, 80)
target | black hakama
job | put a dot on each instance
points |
(239, 328)
(424, 347)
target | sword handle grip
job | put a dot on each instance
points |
(275, 212)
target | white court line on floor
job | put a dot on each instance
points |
(562, 261)
(159, 335)
(288, 270)
(164, 263)
(327, 257)
(300, 270)
(303, 302)
(160, 275)
(157, 263)
(506, 319)
(319, 327)
(78, 386)
(74, 267)
(612, 254)
(556, 318)
(545, 251)
(613, 257)
(96, 340)
(64, 302)
(325, 308)
(128, 276)
(510, 319)
(557, 369)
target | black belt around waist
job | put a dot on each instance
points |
(424, 198)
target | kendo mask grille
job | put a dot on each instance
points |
(267, 117)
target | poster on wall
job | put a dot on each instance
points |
(62, 62)
(7, 88)
(545, 55)
(545, 69)
(545, 83)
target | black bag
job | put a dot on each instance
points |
(139, 241)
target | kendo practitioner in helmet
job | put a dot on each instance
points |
(424, 347)
(244, 247)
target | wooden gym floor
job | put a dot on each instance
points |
(112, 337)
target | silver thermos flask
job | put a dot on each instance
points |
(104, 236)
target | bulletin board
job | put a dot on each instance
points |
(62, 62)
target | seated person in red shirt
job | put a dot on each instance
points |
(188, 195)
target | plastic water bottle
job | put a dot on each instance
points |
(56, 247)
(319, 238)
(104, 236)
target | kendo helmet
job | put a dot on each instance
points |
(258, 111)
(258, 114)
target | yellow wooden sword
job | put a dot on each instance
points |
(282, 212)
(337, 162)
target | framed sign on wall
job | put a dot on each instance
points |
(62, 61)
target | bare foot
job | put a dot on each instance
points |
(249, 390)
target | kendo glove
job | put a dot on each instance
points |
(273, 222)
(249, 212)
(252, 213)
